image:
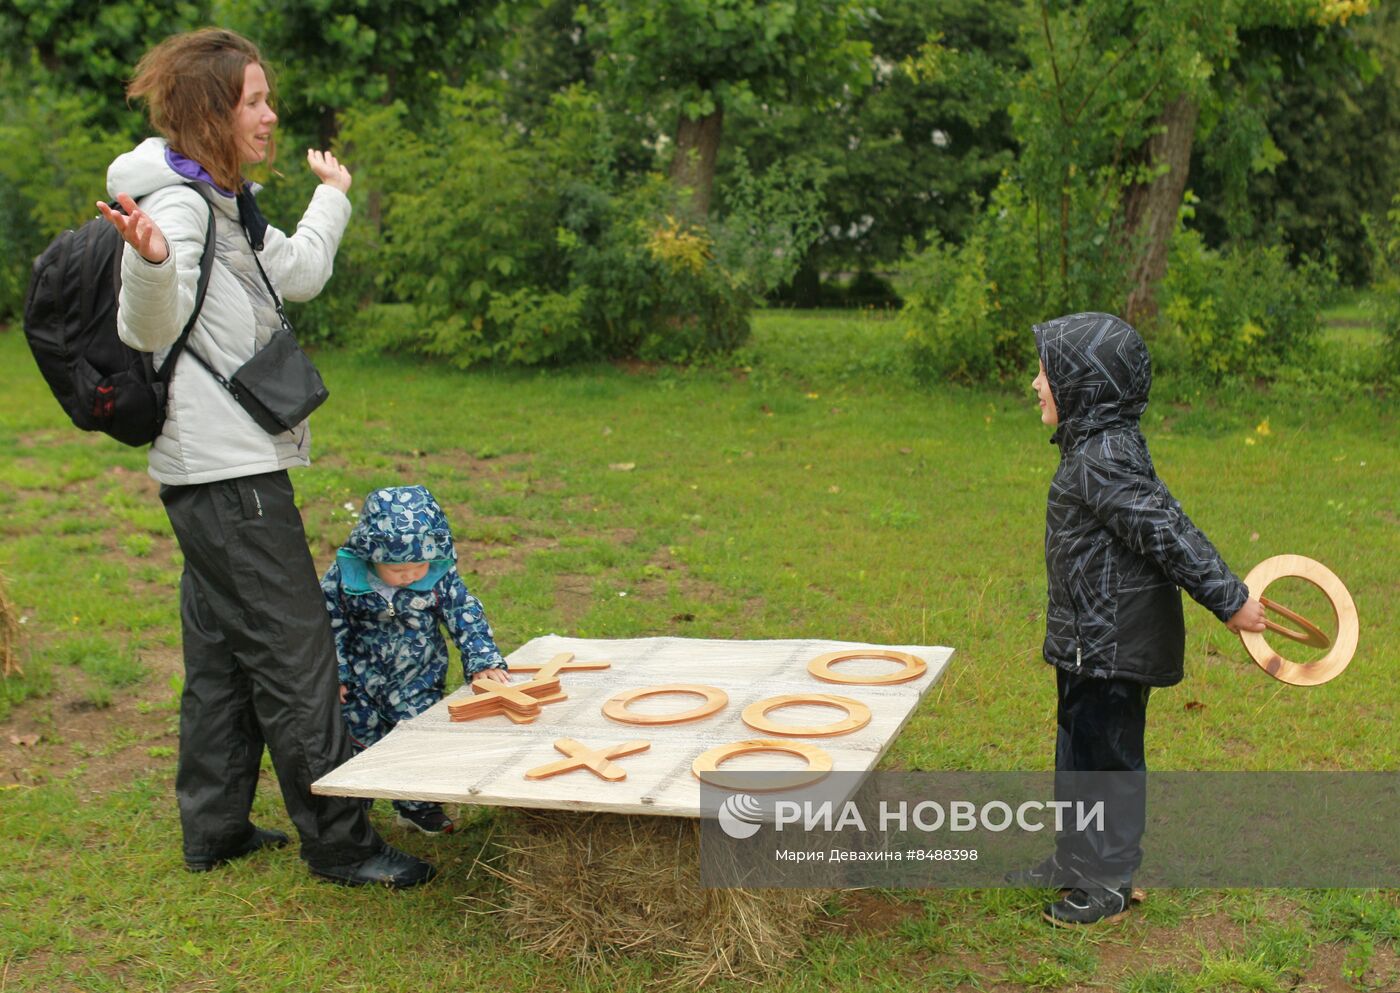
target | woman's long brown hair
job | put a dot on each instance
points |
(192, 84)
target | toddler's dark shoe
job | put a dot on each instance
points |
(1081, 906)
(1046, 874)
(387, 867)
(430, 821)
(260, 838)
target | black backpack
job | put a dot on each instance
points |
(70, 321)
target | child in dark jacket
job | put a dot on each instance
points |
(1117, 547)
(393, 586)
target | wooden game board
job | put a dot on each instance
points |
(485, 761)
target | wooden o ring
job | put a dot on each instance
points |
(706, 766)
(616, 708)
(755, 715)
(1343, 608)
(914, 667)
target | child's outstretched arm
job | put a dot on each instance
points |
(1143, 514)
(465, 620)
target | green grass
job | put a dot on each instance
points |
(805, 489)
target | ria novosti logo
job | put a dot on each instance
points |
(740, 816)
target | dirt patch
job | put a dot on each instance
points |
(410, 462)
(664, 577)
(107, 747)
(42, 962)
(65, 435)
(573, 595)
(1139, 946)
(139, 483)
(490, 559)
(1333, 970)
(636, 367)
(863, 912)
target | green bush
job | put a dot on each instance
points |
(1384, 238)
(53, 171)
(653, 287)
(464, 230)
(1241, 311)
(969, 308)
(524, 248)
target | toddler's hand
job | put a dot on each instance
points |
(1250, 617)
(344, 692)
(495, 675)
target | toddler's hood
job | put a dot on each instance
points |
(1099, 373)
(398, 524)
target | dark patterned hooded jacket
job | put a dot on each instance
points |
(1117, 545)
(389, 640)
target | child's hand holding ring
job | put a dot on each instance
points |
(1250, 617)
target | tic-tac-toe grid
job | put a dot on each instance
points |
(484, 761)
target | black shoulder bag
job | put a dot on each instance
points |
(279, 386)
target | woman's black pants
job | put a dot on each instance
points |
(260, 668)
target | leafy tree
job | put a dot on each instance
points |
(912, 153)
(1321, 106)
(1117, 96)
(697, 59)
(90, 48)
(334, 54)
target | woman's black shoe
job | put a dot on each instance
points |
(388, 867)
(260, 838)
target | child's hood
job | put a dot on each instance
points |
(1099, 373)
(397, 524)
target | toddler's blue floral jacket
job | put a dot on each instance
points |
(389, 640)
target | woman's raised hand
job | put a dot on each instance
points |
(137, 229)
(328, 170)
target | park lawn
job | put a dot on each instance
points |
(807, 489)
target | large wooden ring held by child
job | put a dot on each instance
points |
(706, 766)
(913, 667)
(715, 699)
(755, 715)
(1342, 647)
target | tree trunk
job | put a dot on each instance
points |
(1150, 209)
(693, 167)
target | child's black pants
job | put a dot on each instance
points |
(260, 667)
(1100, 732)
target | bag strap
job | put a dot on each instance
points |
(206, 269)
(219, 377)
(276, 300)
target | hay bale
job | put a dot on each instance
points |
(588, 887)
(9, 634)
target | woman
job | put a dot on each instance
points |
(260, 664)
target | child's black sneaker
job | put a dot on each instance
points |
(1048, 874)
(430, 820)
(1095, 905)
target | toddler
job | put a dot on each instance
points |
(393, 587)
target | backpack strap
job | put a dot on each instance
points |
(206, 268)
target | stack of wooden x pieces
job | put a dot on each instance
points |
(521, 702)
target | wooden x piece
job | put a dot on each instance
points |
(562, 662)
(530, 718)
(595, 760)
(492, 697)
